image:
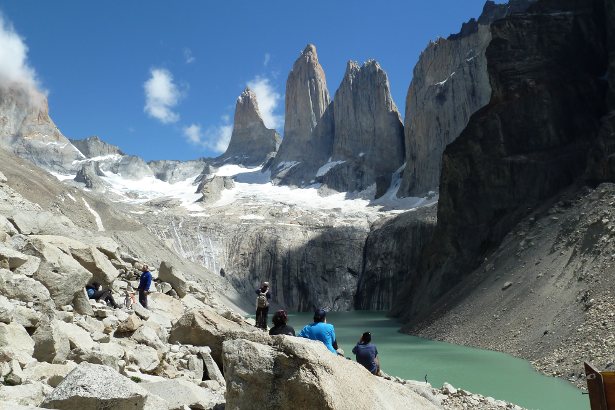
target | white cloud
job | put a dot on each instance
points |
(215, 138)
(14, 68)
(267, 59)
(268, 100)
(161, 95)
(189, 58)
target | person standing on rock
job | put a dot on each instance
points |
(320, 330)
(280, 327)
(144, 284)
(367, 354)
(262, 305)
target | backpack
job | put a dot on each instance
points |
(261, 301)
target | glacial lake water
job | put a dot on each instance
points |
(480, 371)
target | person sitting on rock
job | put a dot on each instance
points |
(96, 292)
(144, 284)
(367, 353)
(262, 305)
(320, 330)
(280, 327)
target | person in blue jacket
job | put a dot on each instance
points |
(320, 330)
(144, 284)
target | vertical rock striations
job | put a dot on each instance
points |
(369, 136)
(252, 143)
(530, 142)
(392, 252)
(450, 83)
(306, 144)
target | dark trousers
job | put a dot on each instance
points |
(105, 295)
(143, 298)
(261, 317)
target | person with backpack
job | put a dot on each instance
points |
(262, 305)
(280, 327)
(367, 354)
(144, 284)
(321, 330)
(96, 292)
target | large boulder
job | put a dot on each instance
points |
(204, 327)
(41, 223)
(49, 373)
(24, 289)
(179, 393)
(76, 335)
(50, 343)
(169, 273)
(31, 394)
(60, 273)
(88, 256)
(6, 310)
(96, 387)
(15, 343)
(300, 373)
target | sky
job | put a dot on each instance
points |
(160, 79)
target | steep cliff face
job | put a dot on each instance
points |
(307, 135)
(527, 144)
(369, 140)
(450, 82)
(391, 254)
(311, 259)
(251, 142)
(27, 130)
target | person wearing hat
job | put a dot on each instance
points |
(262, 305)
(367, 353)
(320, 330)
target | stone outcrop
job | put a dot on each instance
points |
(131, 167)
(175, 171)
(252, 143)
(392, 253)
(27, 130)
(307, 99)
(211, 187)
(450, 82)
(90, 174)
(298, 373)
(530, 142)
(92, 147)
(92, 387)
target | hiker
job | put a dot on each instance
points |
(96, 292)
(144, 284)
(280, 327)
(367, 354)
(262, 305)
(321, 330)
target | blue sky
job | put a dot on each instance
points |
(95, 58)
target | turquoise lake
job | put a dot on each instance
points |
(480, 371)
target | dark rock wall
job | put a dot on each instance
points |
(391, 254)
(526, 145)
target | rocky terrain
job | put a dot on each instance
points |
(189, 350)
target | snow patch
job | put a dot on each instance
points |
(322, 171)
(441, 83)
(99, 223)
(110, 157)
(71, 197)
(252, 217)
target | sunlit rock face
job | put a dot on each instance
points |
(27, 130)
(450, 82)
(252, 143)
